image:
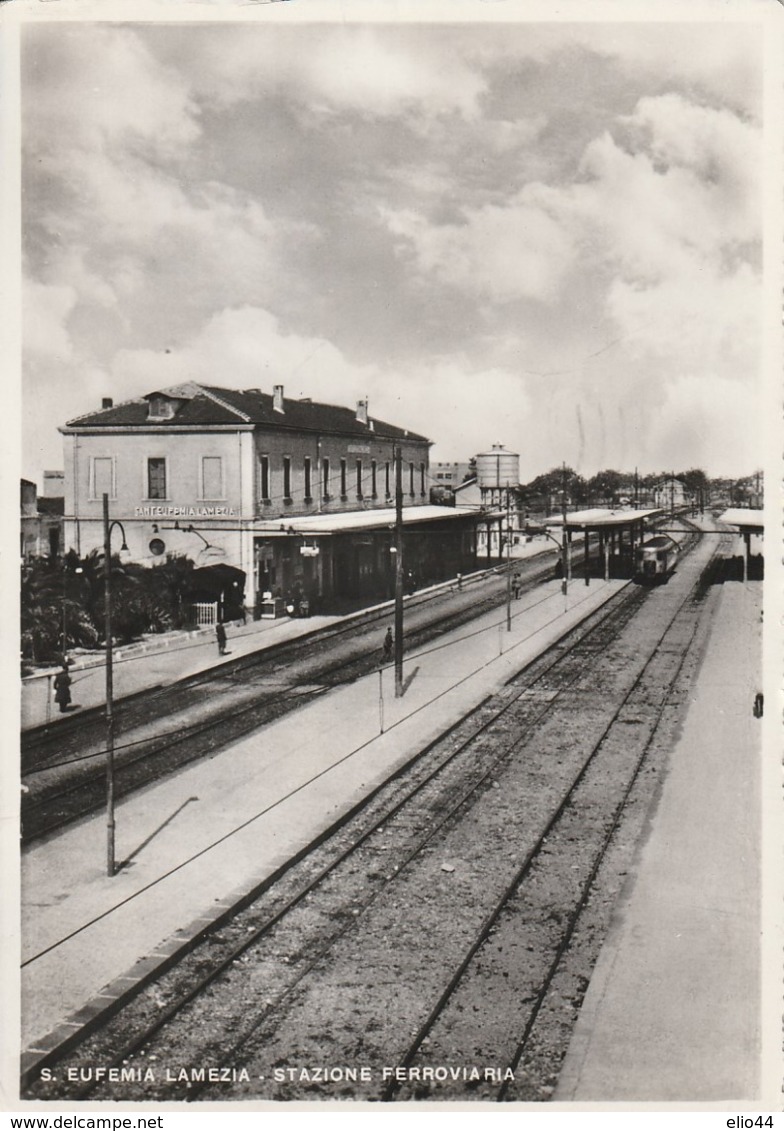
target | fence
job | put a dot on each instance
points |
(206, 612)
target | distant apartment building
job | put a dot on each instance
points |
(41, 520)
(449, 474)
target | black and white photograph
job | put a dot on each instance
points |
(397, 686)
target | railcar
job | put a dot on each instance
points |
(655, 559)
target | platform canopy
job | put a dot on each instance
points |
(745, 519)
(343, 522)
(599, 518)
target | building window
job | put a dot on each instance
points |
(359, 478)
(325, 476)
(211, 477)
(308, 485)
(287, 479)
(156, 477)
(388, 486)
(102, 477)
(373, 480)
(411, 479)
(343, 479)
(264, 478)
(421, 479)
(160, 408)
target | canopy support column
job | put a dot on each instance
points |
(585, 557)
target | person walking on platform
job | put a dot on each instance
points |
(62, 688)
(389, 644)
(220, 633)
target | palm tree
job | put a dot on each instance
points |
(41, 598)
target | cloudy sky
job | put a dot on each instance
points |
(544, 235)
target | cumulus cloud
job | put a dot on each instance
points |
(372, 72)
(706, 415)
(112, 212)
(722, 60)
(467, 407)
(45, 313)
(678, 218)
(359, 70)
(247, 348)
(659, 221)
(712, 319)
(500, 252)
(100, 86)
(399, 211)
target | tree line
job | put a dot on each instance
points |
(608, 487)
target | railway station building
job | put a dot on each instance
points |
(296, 497)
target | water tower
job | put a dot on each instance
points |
(497, 472)
(498, 478)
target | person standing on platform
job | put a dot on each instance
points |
(516, 585)
(389, 644)
(220, 633)
(62, 688)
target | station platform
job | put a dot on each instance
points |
(163, 658)
(194, 843)
(673, 1012)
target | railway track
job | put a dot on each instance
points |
(282, 942)
(63, 766)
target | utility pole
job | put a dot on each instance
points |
(398, 457)
(565, 537)
(108, 527)
(107, 590)
(508, 561)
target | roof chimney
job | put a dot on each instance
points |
(106, 402)
(362, 411)
(277, 398)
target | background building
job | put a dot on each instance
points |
(670, 493)
(41, 518)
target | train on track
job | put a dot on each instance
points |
(655, 559)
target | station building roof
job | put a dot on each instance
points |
(602, 517)
(745, 518)
(348, 521)
(193, 405)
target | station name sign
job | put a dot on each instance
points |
(359, 449)
(184, 512)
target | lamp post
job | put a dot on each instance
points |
(561, 547)
(108, 527)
